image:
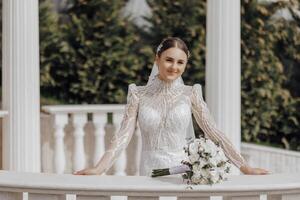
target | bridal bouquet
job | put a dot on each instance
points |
(205, 163)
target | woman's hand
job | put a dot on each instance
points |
(99, 168)
(253, 171)
(89, 171)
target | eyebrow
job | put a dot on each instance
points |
(167, 57)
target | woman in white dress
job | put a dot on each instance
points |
(163, 109)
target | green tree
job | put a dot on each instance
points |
(287, 47)
(96, 58)
(51, 45)
(269, 111)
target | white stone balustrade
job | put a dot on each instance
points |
(79, 118)
(60, 186)
(273, 159)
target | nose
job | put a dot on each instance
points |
(174, 66)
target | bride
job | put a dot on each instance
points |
(163, 109)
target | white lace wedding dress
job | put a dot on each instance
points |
(163, 111)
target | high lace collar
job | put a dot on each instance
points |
(159, 85)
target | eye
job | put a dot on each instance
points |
(180, 62)
(169, 60)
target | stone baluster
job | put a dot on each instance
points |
(99, 120)
(79, 121)
(60, 121)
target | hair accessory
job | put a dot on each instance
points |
(159, 47)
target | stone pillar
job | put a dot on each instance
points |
(223, 66)
(20, 86)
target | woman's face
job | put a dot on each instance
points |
(171, 63)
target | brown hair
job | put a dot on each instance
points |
(170, 42)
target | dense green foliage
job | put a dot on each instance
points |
(269, 112)
(96, 58)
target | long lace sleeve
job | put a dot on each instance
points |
(208, 125)
(123, 136)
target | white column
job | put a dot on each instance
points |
(20, 85)
(223, 63)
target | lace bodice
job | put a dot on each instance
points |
(163, 111)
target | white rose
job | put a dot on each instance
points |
(205, 146)
(215, 179)
(211, 143)
(202, 141)
(196, 167)
(218, 157)
(212, 150)
(221, 154)
(213, 161)
(193, 149)
(202, 161)
(201, 149)
(193, 158)
(197, 142)
(204, 172)
(196, 179)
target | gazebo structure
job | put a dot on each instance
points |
(20, 179)
(21, 88)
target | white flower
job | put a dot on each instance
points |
(201, 149)
(196, 179)
(193, 149)
(204, 172)
(197, 142)
(193, 158)
(215, 178)
(209, 142)
(203, 152)
(221, 154)
(214, 161)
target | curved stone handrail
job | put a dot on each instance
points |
(276, 186)
(90, 108)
